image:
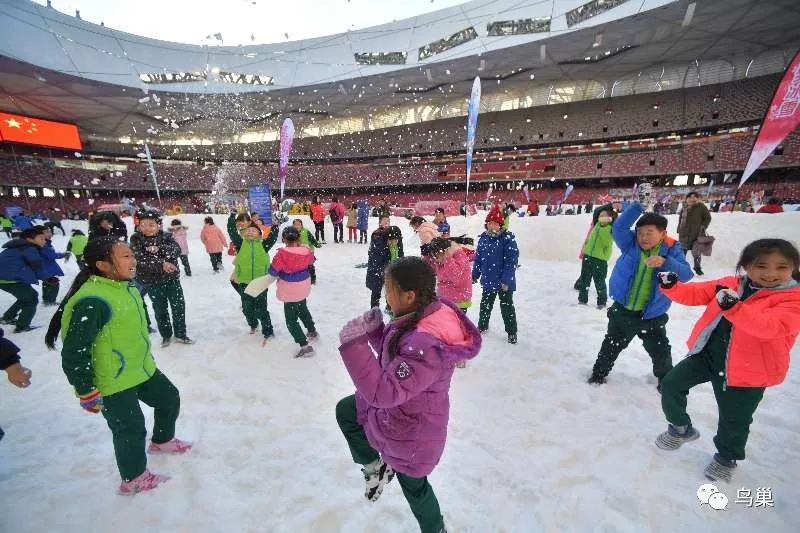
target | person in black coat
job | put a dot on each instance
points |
(107, 223)
(385, 242)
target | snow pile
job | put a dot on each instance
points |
(531, 447)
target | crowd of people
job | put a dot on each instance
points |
(104, 323)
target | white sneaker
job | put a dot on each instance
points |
(305, 351)
(376, 475)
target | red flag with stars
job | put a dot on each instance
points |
(29, 130)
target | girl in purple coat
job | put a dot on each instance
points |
(397, 420)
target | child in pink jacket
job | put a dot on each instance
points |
(453, 265)
(427, 231)
(290, 268)
(180, 235)
(215, 242)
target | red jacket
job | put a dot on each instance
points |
(317, 213)
(771, 208)
(764, 329)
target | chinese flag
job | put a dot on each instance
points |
(28, 130)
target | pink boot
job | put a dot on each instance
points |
(174, 446)
(145, 481)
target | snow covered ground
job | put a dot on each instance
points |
(531, 446)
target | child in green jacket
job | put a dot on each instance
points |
(76, 246)
(107, 359)
(252, 261)
(6, 224)
(596, 253)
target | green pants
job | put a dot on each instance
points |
(592, 269)
(126, 421)
(296, 312)
(24, 308)
(50, 289)
(417, 490)
(736, 405)
(165, 295)
(623, 326)
(255, 310)
(506, 310)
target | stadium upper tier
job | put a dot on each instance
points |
(116, 85)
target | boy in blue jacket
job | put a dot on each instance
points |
(20, 267)
(51, 284)
(640, 308)
(495, 265)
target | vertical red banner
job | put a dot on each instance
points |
(781, 119)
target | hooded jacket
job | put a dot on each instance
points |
(379, 257)
(21, 262)
(402, 399)
(763, 328)
(317, 212)
(213, 239)
(290, 266)
(49, 256)
(624, 273)
(181, 236)
(150, 265)
(495, 262)
(454, 275)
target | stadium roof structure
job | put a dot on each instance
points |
(124, 88)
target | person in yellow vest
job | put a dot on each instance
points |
(106, 357)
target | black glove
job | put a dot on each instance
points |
(727, 298)
(667, 280)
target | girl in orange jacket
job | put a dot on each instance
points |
(741, 345)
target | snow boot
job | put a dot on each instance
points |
(173, 447)
(305, 351)
(184, 340)
(145, 481)
(720, 469)
(596, 379)
(676, 436)
(376, 475)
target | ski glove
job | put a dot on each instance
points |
(645, 195)
(92, 401)
(361, 325)
(667, 280)
(727, 298)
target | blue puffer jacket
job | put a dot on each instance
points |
(495, 261)
(362, 221)
(21, 262)
(625, 269)
(49, 256)
(22, 222)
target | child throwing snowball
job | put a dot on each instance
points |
(107, 359)
(741, 345)
(396, 422)
(290, 268)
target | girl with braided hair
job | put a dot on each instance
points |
(396, 422)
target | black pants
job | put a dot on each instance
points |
(319, 231)
(216, 261)
(362, 236)
(338, 232)
(375, 299)
(185, 260)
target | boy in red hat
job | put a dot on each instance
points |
(495, 265)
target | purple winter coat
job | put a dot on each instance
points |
(403, 402)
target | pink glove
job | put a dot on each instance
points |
(365, 324)
(373, 319)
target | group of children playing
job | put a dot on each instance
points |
(741, 343)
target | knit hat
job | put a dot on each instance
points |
(495, 216)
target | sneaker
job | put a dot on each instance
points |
(595, 379)
(166, 342)
(313, 335)
(184, 340)
(512, 338)
(266, 338)
(601, 307)
(720, 469)
(25, 329)
(376, 475)
(698, 271)
(583, 303)
(305, 351)
(253, 331)
(483, 331)
(174, 447)
(676, 436)
(150, 329)
(145, 481)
